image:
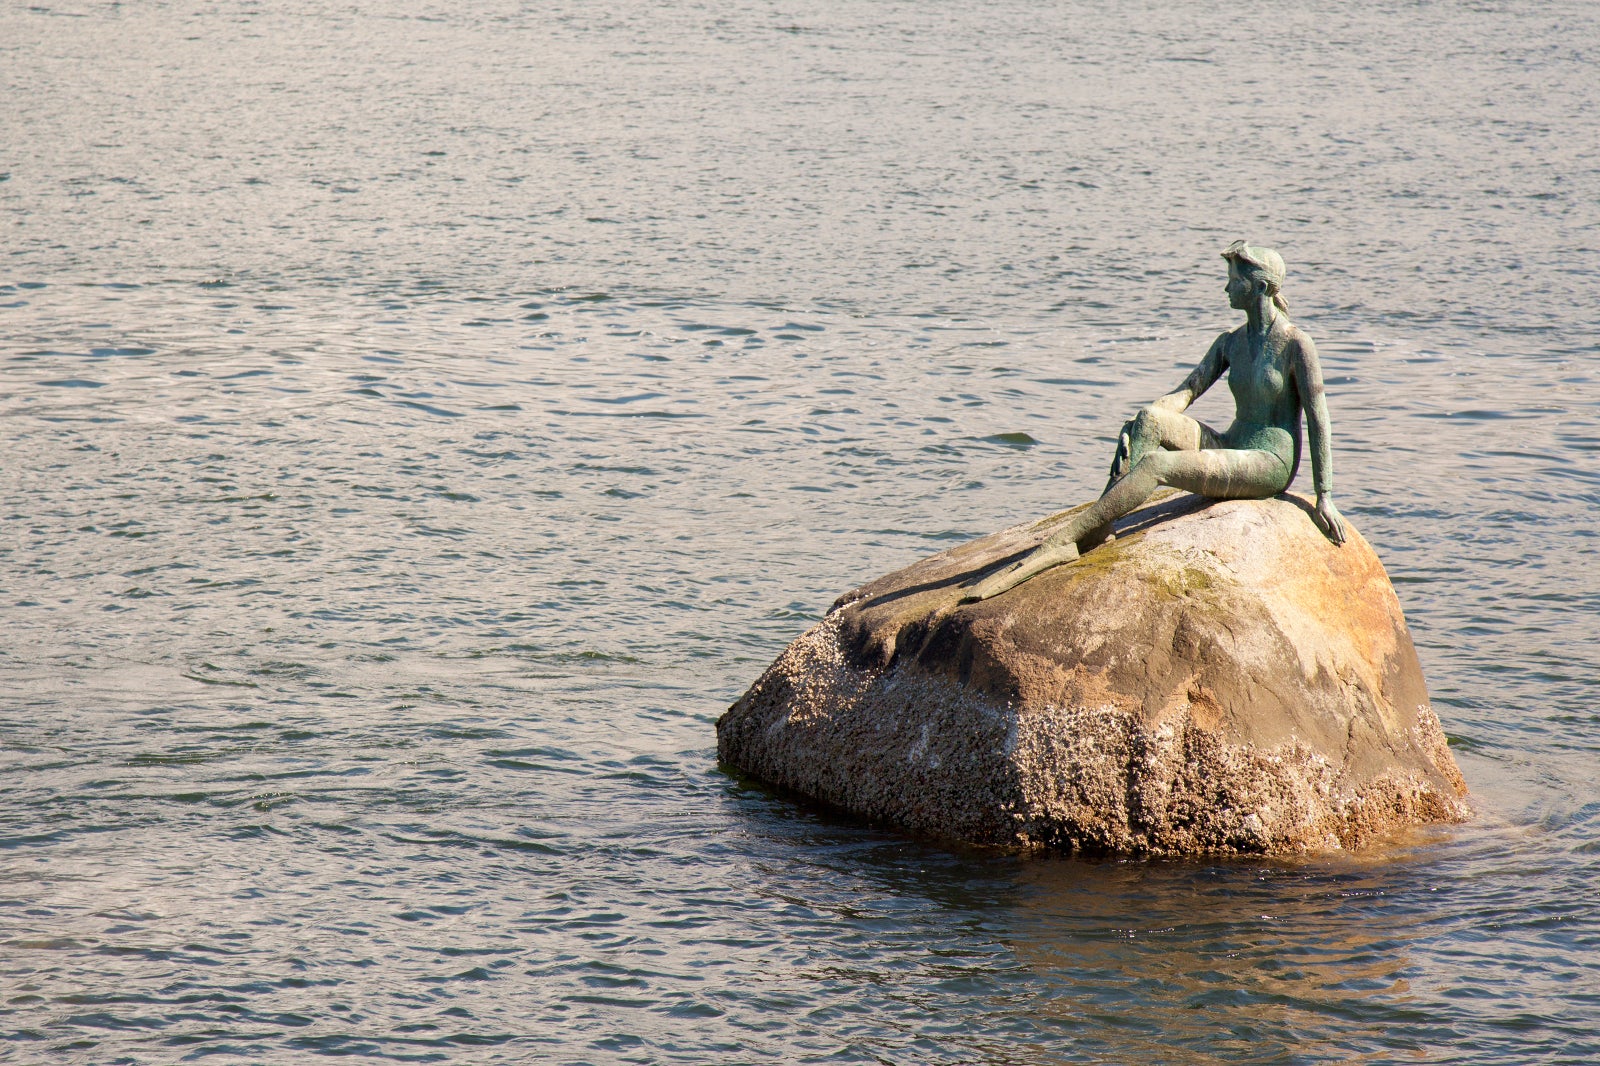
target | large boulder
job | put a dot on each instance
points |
(1220, 677)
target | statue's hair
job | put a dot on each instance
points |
(1260, 264)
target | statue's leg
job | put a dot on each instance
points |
(1154, 429)
(1218, 473)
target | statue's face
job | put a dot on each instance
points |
(1239, 289)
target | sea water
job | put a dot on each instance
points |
(421, 420)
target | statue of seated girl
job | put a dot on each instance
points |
(1273, 374)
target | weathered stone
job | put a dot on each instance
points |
(1220, 677)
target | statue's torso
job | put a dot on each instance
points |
(1267, 402)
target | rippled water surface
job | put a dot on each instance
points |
(421, 420)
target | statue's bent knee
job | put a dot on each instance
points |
(1142, 434)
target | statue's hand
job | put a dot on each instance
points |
(1119, 461)
(1329, 519)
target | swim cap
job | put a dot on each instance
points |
(1265, 260)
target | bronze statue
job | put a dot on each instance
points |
(1273, 374)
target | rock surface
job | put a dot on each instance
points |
(1220, 677)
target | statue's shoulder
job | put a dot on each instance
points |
(1297, 338)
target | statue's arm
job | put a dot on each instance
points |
(1313, 399)
(1200, 378)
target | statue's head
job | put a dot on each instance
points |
(1260, 270)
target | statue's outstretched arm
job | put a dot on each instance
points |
(1200, 378)
(1308, 381)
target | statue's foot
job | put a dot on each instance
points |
(1046, 556)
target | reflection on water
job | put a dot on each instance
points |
(1236, 964)
(422, 422)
